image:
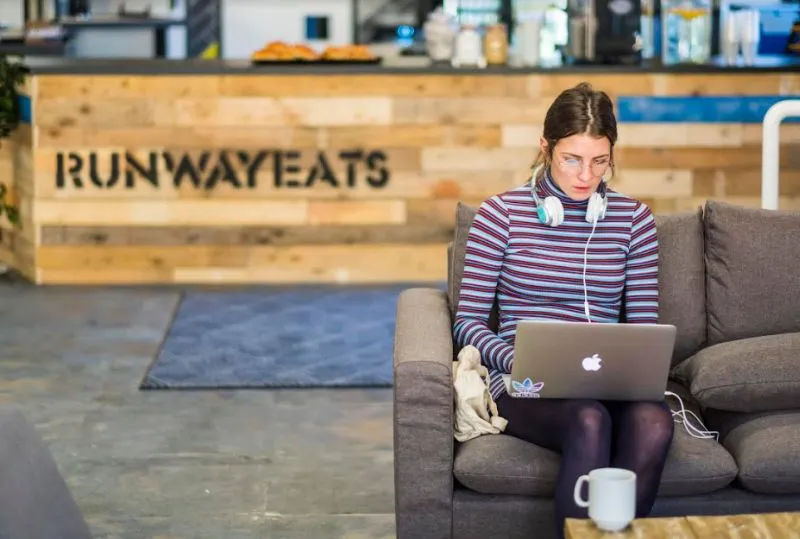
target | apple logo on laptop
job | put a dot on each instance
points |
(592, 363)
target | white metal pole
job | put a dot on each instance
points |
(770, 149)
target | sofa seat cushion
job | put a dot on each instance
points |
(502, 464)
(766, 446)
(746, 375)
(694, 465)
(752, 287)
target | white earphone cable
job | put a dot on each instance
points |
(585, 263)
(680, 417)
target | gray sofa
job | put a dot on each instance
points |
(730, 283)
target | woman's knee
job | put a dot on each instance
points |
(654, 419)
(590, 418)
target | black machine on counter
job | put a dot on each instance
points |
(604, 32)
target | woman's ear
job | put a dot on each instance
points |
(543, 145)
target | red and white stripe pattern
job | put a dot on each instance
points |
(536, 271)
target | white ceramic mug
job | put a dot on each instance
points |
(612, 497)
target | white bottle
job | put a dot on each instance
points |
(469, 49)
(527, 41)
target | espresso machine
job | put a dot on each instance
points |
(604, 32)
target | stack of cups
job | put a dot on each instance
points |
(749, 34)
(729, 34)
(740, 29)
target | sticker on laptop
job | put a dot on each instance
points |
(526, 389)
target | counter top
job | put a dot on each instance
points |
(77, 66)
(117, 22)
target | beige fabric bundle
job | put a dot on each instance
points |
(475, 410)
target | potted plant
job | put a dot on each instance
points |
(11, 76)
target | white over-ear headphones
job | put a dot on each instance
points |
(551, 212)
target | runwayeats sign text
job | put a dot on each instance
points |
(209, 169)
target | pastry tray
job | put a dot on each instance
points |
(315, 62)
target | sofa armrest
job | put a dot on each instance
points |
(34, 499)
(423, 415)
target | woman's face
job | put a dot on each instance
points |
(579, 163)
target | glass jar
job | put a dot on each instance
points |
(495, 44)
(686, 31)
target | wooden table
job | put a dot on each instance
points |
(762, 526)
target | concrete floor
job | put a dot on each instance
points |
(217, 464)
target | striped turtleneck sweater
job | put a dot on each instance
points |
(536, 271)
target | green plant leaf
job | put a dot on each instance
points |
(12, 213)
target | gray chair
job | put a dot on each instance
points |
(500, 486)
(35, 502)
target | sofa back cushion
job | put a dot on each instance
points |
(752, 278)
(681, 280)
(455, 264)
(746, 375)
(464, 216)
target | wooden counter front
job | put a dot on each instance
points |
(280, 178)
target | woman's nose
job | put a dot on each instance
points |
(585, 173)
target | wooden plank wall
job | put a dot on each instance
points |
(444, 138)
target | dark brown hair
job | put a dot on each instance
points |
(581, 109)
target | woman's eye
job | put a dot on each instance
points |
(572, 161)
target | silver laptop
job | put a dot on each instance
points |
(581, 360)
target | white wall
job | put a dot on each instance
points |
(248, 25)
(11, 13)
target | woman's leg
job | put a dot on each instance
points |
(642, 437)
(579, 429)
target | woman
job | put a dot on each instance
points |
(602, 253)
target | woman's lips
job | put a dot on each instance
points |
(581, 189)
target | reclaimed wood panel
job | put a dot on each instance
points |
(467, 159)
(468, 110)
(722, 183)
(725, 84)
(362, 212)
(691, 157)
(105, 276)
(655, 183)
(220, 111)
(116, 86)
(381, 85)
(257, 189)
(754, 133)
(521, 135)
(195, 264)
(612, 83)
(412, 136)
(189, 137)
(165, 212)
(695, 135)
(249, 235)
(261, 111)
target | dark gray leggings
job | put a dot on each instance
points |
(594, 434)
